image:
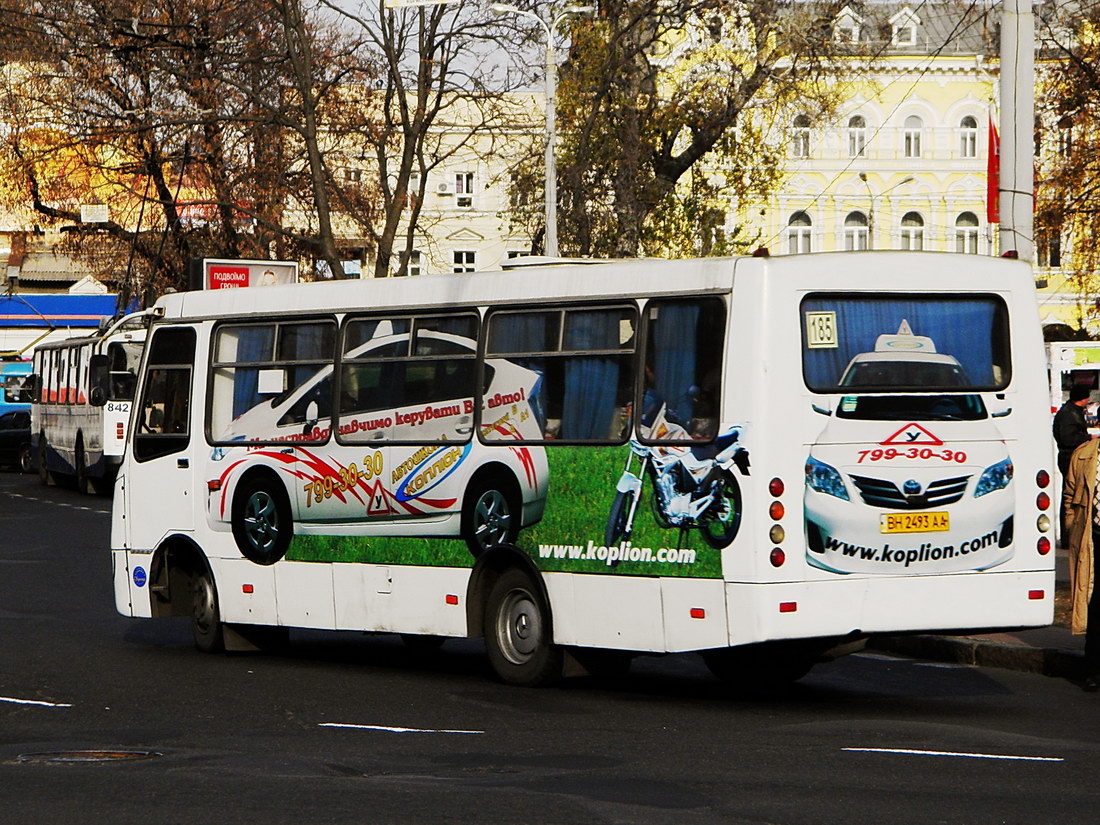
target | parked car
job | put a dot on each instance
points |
(15, 440)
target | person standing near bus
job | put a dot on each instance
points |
(1070, 429)
(1079, 491)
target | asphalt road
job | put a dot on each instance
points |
(352, 728)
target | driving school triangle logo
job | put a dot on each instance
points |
(912, 433)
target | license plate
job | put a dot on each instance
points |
(914, 523)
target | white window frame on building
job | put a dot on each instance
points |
(966, 233)
(968, 137)
(1065, 137)
(800, 137)
(857, 232)
(352, 175)
(464, 260)
(847, 26)
(912, 231)
(464, 190)
(857, 136)
(799, 234)
(415, 265)
(911, 136)
(904, 28)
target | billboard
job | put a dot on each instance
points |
(218, 273)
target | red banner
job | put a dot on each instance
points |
(993, 175)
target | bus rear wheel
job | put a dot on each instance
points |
(518, 635)
(261, 520)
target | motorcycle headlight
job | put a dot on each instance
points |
(825, 479)
(994, 478)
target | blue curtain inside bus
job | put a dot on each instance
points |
(672, 344)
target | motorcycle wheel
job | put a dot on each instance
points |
(721, 521)
(616, 521)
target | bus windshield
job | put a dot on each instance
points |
(969, 407)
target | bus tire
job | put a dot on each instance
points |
(761, 668)
(616, 520)
(490, 515)
(44, 474)
(26, 459)
(261, 520)
(206, 620)
(721, 521)
(83, 483)
(518, 633)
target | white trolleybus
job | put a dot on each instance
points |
(762, 460)
(82, 391)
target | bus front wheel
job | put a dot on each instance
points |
(206, 622)
(261, 520)
(518, 636)
(44, 474)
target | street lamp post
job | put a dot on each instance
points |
(551, 183)
(872, 196)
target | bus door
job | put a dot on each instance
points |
(159, 480)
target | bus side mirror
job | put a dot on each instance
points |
(99, 380)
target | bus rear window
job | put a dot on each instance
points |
(904, 343)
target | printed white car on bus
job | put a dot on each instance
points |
(908, 483)
(373, 486)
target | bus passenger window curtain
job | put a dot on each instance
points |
(673, 339)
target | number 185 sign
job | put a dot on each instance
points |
(821, 330)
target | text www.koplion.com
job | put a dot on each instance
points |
(912, 555)
(620, 552)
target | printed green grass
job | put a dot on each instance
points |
(582, 489)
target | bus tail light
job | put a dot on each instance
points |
(776, 510)
(776, 487)
(1042, 501)
(1043, 545)
(777, 557)
(1042, 478)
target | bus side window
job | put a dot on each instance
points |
(683, 369)
(560, 374)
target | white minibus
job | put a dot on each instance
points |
(817, 449)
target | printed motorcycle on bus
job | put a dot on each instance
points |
(693, 486)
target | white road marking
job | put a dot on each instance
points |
(958, 754)
(34, 702)
(942, 665)
(61, 504)
(388, 729)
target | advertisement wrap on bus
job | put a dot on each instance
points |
(581, 472)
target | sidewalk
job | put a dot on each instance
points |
(1051, 651)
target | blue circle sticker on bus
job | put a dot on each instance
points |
(139, 576)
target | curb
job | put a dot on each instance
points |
(969, 650)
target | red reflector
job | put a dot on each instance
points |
(452, 599)
(777, 557)
(788, 607)
(120, 430)
(776, 510)
(775, 487)
(698, 613)
(1043, 545)
(247, 588)
(214, 484)
(1042, 478)
(1042, 501)
(1036, 595)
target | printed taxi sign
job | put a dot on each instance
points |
(912, 433)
